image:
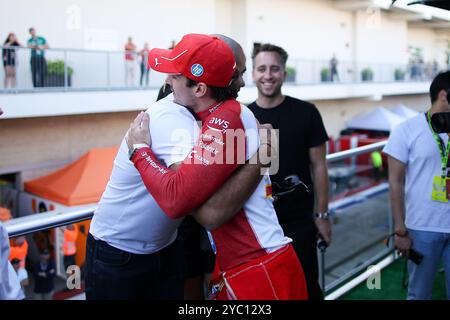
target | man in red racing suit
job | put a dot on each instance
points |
(254, 258)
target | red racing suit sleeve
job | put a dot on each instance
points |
(216, 154)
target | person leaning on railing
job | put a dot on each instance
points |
(38, 63)
(419, 192)
(9, 57)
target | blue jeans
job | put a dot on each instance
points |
(112, 273)
(433, 246)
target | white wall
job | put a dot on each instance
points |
(67, 23)
(380, 39)
(306, 29)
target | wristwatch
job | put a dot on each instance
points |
(322, 215)
(136, 146)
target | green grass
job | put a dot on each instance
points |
(392, 285)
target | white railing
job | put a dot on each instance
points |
(73, 69)
(76, 69)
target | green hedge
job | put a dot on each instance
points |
(57, 67)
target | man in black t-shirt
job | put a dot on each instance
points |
(301, 205)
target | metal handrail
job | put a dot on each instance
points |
(355, 151)
(47, 220)
(52, 219)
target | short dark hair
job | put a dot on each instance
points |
(29, 30)
(267, 47)
(441, 82)
(218, 93)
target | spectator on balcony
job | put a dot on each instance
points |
(333, 68)
(145, 68)
(419, 192)
(302, 151)
(38, 45)
(130, 62)
(435, 68)
(9, 55)
(377, 165)
(428, 70)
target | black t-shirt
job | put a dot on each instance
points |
(300, 128)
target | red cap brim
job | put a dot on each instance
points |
(161, 60)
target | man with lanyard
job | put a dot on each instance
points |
(255, 260)
(419, 192)
(38, 62)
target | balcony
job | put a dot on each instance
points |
(98, 81)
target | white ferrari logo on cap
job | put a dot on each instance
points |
(156, 62)
(197, 70)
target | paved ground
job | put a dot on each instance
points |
(360, 227)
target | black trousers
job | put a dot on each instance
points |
(144, 72)
(115, 274)
(304, 236)
(38, 71)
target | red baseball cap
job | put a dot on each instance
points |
(199, 57)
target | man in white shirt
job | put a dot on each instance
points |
(131, 249)
(9, 283)
(419, 187)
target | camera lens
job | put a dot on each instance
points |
(441, 122)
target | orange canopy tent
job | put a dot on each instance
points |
(81, 182)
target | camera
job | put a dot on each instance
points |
(415, 256)
(440, 121)
(322, 245)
